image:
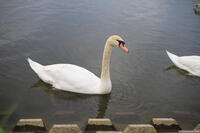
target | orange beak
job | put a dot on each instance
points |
(122, 46)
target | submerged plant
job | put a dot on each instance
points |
(6, 117)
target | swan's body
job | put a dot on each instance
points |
(190, 64)
(73, 78)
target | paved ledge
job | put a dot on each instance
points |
(189, 131)
(65, 128)
(165, 124)
(165, 121)
(140, 128)
(106, 122)
(24, 125)
(197, 127)
(109, 132)
(99, 125)
(104, 125)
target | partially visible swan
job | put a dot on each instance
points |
(74, 78)
(190, 64)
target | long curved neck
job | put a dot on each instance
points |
(105, 72)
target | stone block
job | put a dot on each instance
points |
(140, 128)
(65, 128)
(189, 131)
(165, 124)
(108, 132)
(99, 125)
(29, 125)
(197, 127)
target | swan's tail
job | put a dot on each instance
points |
(35, 66)
(173, 57)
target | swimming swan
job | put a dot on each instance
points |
(190, 64)
(76, 79)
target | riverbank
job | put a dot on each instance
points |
(103, 125)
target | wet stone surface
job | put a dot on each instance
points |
(140, 128)
(27, 125)
(94, 125)
(188, 131)
(165, 124)
(109, 132)
(197, 127)
(65, 128)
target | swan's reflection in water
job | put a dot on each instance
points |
(182, 73)
(178, 70)
(55, 95)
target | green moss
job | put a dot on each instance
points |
(4, 131)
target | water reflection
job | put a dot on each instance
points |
(103, 100)
(102, 105)
(178, 70)
(54, 93)
(184, 74)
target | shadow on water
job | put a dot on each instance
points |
(59, 94)
(181, 72)
(103, 100)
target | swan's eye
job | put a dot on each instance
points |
(121, 42)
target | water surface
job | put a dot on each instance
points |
(145, 82)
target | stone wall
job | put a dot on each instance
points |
(103, 125)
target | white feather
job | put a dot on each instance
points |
(190, 64)
(68, 77)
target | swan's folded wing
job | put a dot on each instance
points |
(71, 77)
(191, 63)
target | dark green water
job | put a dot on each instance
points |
(145, 83)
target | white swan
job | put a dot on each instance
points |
(74, 78)
(190, 64)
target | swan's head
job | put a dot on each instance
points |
(116, 40)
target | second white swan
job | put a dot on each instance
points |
(190, 64)
(74, 78)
